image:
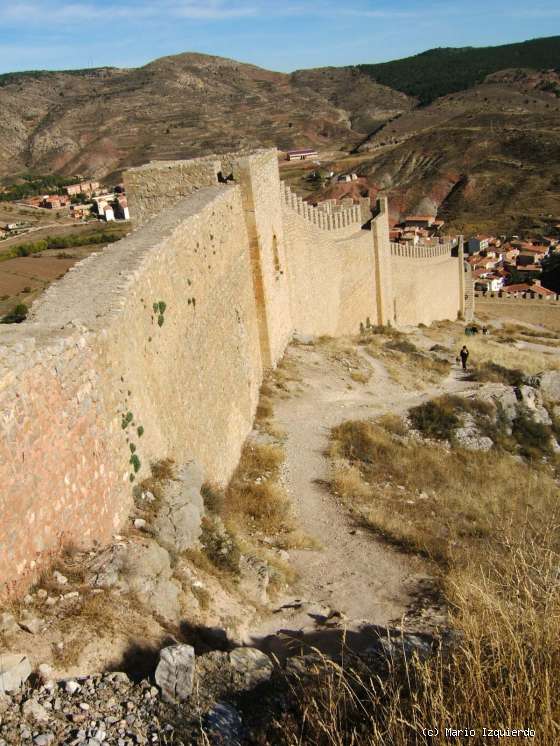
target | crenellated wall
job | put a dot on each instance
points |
(157, 346)
(426, 284)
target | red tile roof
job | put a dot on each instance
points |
(524, 287)
(302, 151)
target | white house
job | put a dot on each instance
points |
(301, 155)
(489, 284)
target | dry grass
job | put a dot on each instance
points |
(103, 612)
(360, 376)
(527, 331)
(493, 525)
(485, 350)
(525, 312)
(502, 671)
(405, 363)
(432, 499)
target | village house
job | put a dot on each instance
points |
(120, 206)
(478, 243)
(509, 253)
(84, 187)
(529, 255)
(34, 201)
(419, 221)
(524, 289)
(490, 284)
(482, 262)
(80, 212)
(301, 155)
(55, 202)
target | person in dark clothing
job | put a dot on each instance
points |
(464, 354)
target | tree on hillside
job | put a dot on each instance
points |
(551, 272)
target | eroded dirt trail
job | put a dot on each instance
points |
(351, 571)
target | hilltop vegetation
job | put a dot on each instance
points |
(438, 72)
(30, 185)
(18, 77)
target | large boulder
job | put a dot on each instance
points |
(144, 569)
(15, 669)
(175, 673)
(8, 624)
(224, 726)
(531, 398)
(502, 397)
(177, 525)
(252, 666)
(549, 385)
(469, 436)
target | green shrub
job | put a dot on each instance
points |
(135, 461)
(488, 372)
(436, 418)
(220, 545)
(126, 420)
(401, 345)
(16, 315)
(533, 437)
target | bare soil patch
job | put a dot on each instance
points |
(524, 311)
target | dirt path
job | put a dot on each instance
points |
(352, 571)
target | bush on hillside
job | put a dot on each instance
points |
(436, 418)
(16, 315)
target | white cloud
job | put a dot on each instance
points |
(67, 13)
(212, 10)
(70, 13)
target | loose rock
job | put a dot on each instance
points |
(15, 669)
(254, 666)
(175, 672)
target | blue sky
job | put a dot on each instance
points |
(277, 34)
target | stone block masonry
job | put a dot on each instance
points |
(156, 347)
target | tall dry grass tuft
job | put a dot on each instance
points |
(433, 499)
(486, 350)
(493, 525)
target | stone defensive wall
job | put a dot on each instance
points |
(427, 281)
(156, 347)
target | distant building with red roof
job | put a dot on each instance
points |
(301, 155)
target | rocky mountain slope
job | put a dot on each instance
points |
(99, 121)
(484, 154)
(485, 157)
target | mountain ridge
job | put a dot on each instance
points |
(97, 122)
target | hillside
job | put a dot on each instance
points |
(437, 72)
(471, 132)
(100, 121)
(484, 159)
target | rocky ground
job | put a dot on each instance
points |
(148, 641)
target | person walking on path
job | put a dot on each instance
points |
(464, 354)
